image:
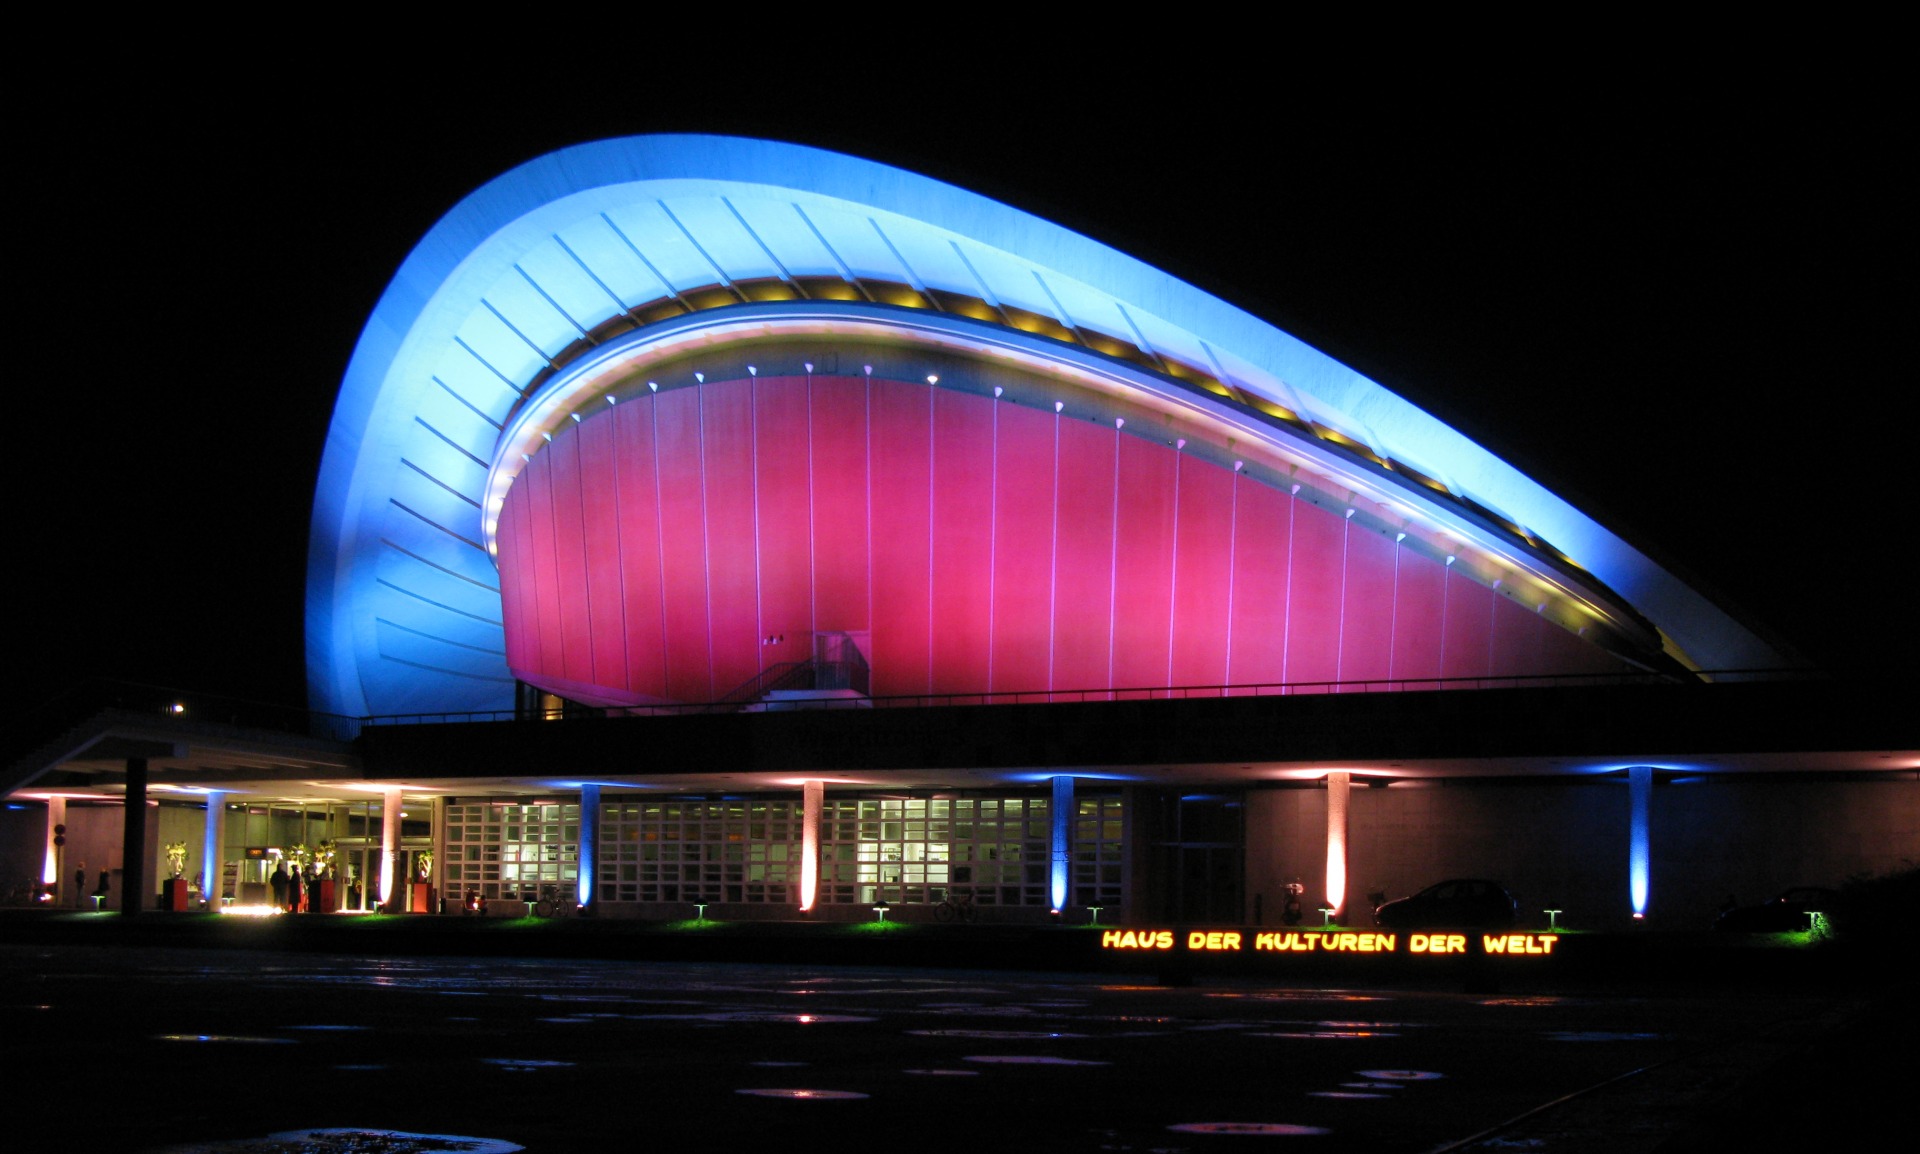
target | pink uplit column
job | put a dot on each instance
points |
(812, 796)
(53, 870)
(1338, 785)
(389, 841)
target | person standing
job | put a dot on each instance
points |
(278, 882)
(80, 885)
(296, 893)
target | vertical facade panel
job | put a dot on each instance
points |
(519, 604)
(540, 544)
(1313, 602)
(1083, 562)
(637, 481)
(1469, 629)
(1023, 547)
(683, 545)
(1366, 629)
(1516, 638)
(782, 465)
(600, 529)
(727, 436)
(899, 441)
(1263, 523)
(1203, 573)
(1416, 617)
(1143, 565)
(962, 541)
(840, 496)
(570, 556)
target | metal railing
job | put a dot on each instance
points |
(1141, 693)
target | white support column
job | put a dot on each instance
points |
(53, 870)
(813, 795)
(1060, 863)
(438, 808)
(390, 846)
(1639, 837)
(1338, 786)
(589, 844)
(213, 850)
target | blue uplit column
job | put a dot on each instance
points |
(213, 850)
(1060, 865)
(589, 843)
(1639, 838)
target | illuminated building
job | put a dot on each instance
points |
(681, 441)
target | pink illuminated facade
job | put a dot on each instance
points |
(672, 546)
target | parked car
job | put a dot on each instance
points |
(1784, 913)
(1462, 903)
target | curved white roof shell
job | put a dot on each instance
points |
(403, 603)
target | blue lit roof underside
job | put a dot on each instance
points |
(403, 605)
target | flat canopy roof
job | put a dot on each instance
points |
(403, 606)
(1686, 732)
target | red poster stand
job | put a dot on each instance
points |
(173, 895)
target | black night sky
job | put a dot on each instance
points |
(1674, 309)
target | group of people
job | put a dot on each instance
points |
(297, 893)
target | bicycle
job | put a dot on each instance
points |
(956, 908)
(552, 903)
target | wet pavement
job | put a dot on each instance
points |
(124, 1050)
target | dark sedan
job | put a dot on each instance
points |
(1462, 903)
(1788, 912)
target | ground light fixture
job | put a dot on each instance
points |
(880, 909)
(1326, 912)
(1553, 918)
(1093, 915)
(699, 911)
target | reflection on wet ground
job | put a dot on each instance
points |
(555, 1056)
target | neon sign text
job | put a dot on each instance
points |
(1136, 940)
(1519, 943)
(1298, 942)
(1326, 942)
